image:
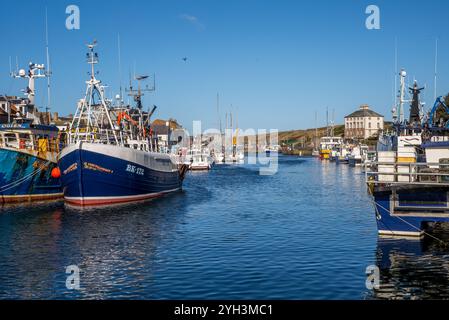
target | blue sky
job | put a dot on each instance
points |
(274, 62)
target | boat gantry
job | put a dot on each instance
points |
(110, 157)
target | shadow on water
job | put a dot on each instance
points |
(413, 269)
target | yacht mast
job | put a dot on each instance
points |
(316, 130)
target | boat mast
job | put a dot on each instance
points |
(218, 112)
(402, 100)
(436, 69)
(35, 71)
(48, 73)
(120, 67)
(88, 111)
(137, 97)
(316, 131)
(332, 122)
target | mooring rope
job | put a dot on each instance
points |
(18, 181)
(403, 220)
(25, 178)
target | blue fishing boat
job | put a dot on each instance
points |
(409, 181)
(111, 156)
(28, 149)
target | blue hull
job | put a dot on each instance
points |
(354, 162)
(95, 179)
(24, 177)
(407, 212)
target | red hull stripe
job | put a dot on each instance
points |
(100, 201)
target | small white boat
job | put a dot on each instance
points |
(239, 157)
(358, 156)
(218, 158)
(199, 159)
(200, 162)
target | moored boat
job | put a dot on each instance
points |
(29, 149)
(358, 155)
(327, 145)
(109, 163)
(409, 181)
(28, 163)
(199, 159)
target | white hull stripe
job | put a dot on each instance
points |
(401, 233)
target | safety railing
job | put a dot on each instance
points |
(407, 173)
(39, 145)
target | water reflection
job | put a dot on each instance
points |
(413, 269)
(112, 247)
(232, 234)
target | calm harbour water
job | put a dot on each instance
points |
(308, 232)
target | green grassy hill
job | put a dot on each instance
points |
(297, 141)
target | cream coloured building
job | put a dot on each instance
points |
(363, 123)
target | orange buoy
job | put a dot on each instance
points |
(56, 173)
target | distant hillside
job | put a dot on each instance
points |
(301, 141)
(305, 138)
(162, 123)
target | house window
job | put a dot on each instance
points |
(378, 125)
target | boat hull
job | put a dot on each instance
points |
(201, 167)
(25, 177)
(97, 175)
(354, 162)
(325, 154)
(406, 211)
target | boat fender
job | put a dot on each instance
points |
(371, 185)
(56, 173)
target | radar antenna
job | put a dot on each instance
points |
(139, 93)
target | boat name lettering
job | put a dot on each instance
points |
(73, 167)
(14, 125)
(95, 167)
(134, 169)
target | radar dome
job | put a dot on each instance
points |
(22, 73)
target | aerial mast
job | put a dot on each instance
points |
(48, 73)
(120, 67)
(436, 69)
(139, 93)
(402, 100)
